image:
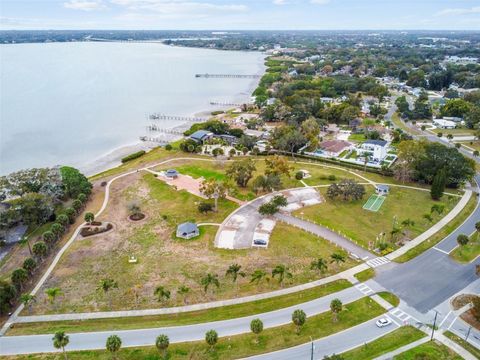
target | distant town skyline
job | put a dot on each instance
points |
(241, 15)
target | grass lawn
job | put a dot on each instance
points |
(365, 275)
(397, 122)
(240, 346)
(166, 261)
(455, 132)
(469, 252)
(364, 226)
(194, 317)
(440, 235)
(385, 344)
(475, 145)
(389, 297)
(357, 138)
(466, 345)
(431, 350)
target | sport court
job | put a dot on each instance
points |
(374, 203)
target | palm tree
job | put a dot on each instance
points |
(162, 342)
(319, 264)
(282, 272)
(114, 343)
(298, 318)
(60, 340)
(395, 232)
(209, 279)
(366, 159)
(162, 294)
(258, 275)
(337, 258)
(211, 337)
(234, 271)
(89, 217)
(477, 226)
(183, 291)
(256, 325)
(106, 285)
(336, 306)
(52, 293)
(27, 300)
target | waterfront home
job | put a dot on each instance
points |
(376, 148)
(187, 230)
(256, 133)
(200, 136)
(229, 139)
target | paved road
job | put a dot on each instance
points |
(326, 234)
(96, 340)
(334, 344)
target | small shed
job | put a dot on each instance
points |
(171, 173)
(187, 230)
(382, 189)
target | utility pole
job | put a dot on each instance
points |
(313, 348)
(434, 323)
(468, 333)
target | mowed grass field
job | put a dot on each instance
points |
(364, 226)
(431, 350)
(166, 261)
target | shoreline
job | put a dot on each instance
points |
(112, 158)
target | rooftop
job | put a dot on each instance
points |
(187, 227)
(376, 142)
(334, 146)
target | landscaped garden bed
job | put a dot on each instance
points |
(95, 229)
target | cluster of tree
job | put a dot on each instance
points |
(421, 108)
(31, 195)
(346, 190)
(271, 207)
(423, 161)
(215, 126)
(467, 108)
(38, 252)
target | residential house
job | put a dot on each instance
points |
(200, 136)
(376, 148)
(444, 124)
(334, 148)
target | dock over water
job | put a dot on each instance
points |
(227, 76)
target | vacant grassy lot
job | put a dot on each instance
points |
(364, 226)
(242, 345)
(431, 350)
(455, 132)
(440, 235)
(475, 145)
(193, 317)
(166, 261)
(394, 340)
(469, 252)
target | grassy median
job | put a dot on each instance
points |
(194, 317)
(429, 350)
(385, 344)
(467, 253)
(466, 345)
(240, 346)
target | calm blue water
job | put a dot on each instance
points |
(68, 103)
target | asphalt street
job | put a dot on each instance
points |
(10, 345)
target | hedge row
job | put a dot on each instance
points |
(133, 156)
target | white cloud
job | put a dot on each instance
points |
(459, 11)
(177, 6)
(84, 5)
(320, 2)
(279, 2)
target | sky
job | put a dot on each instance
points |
(241, 14)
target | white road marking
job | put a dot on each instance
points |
(452, 323)
(379, 261)
(446, 317)
(443, 251)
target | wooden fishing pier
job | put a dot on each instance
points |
(227, 76)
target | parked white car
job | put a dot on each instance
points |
(383, 322)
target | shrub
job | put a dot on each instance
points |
(299, 175)
(133, 156)
(168, 147)
(462, 239)
(205, 207)
(332, 177)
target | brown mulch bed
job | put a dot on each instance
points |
(90, 230)
(462, 300)
(137, 217)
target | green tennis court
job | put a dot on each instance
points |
(374, 203)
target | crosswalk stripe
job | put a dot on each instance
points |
(378, 261)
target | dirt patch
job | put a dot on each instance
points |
(462, 300)
(469, 318)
